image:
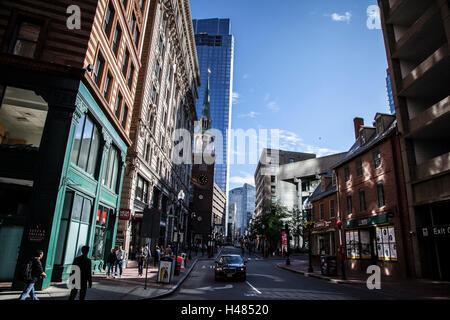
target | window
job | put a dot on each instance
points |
(291, 160)
(104, 215)
(347, 173)
(107, 88)
(132, 23)
(377, 159)
(154, 95)
(125, 3)
(349, 204)
(131, 76)
(161, 46)
(359, 168)
(137, 36)
(362, 200)
(98, 69)
(118, 105)
(272, 179)
(158, 70)
(74, 227)
(352, 244)
(386, 245)
(25, 38)
(116, 40)
(86, 145)
(111, 169)
(125, 62)
(109, 19)
(141, 189)
(322, 211)
(332, 209)
(380, 195)
(147, 152)
(142, 5)
(272, 189)
(124, 116)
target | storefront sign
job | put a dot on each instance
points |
(125, 214)
(322, 224)
(36, 233)
(441, 231)
(367, 221)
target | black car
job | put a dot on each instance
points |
(231, 266)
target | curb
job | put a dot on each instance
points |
(313, 275)
(171, 291)
(174, 288)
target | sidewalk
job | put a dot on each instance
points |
(129, 287)
(400, 289)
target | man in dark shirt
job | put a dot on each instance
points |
(85, 265)
(36, 273)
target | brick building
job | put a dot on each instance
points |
(324, 215)
(372, 200)
(66, 98)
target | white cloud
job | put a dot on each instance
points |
(244, 178)
(273, 105)
(236, 97)
(251, 114)
(342, 18)
(290, 141)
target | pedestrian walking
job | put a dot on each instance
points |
(157, 256)
(32, 272)
(141, 257)
(120, 259)
(168, 251)
(85, 265)
(111, 262)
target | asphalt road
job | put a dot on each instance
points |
(266, 282)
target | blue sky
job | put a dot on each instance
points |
(306, 67)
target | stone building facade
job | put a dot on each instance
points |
(165, 102)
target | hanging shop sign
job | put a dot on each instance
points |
(321, 224)
(36, 233)
(125, 214)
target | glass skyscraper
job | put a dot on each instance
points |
(390, 93)
(215, 49)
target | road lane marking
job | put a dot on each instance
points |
(253, 287)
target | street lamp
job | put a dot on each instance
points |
(180, 202)
(193, 216)
(308, 207)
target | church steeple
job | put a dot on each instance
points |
(206, 111)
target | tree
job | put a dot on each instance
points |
(273, 219)
(297, 221)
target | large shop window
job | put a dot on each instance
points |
(86, 145)
(74, 227)
(22, 117)
(359, 243)
(111, 169)
(386, 246)
(104, 215)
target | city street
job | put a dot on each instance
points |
(266, 282)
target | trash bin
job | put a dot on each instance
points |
(328, 265)
(166, 269)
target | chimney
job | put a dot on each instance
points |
(358, 123)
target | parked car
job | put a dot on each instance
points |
(231, 266)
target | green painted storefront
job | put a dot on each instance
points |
(87, 205)
(77, 176)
